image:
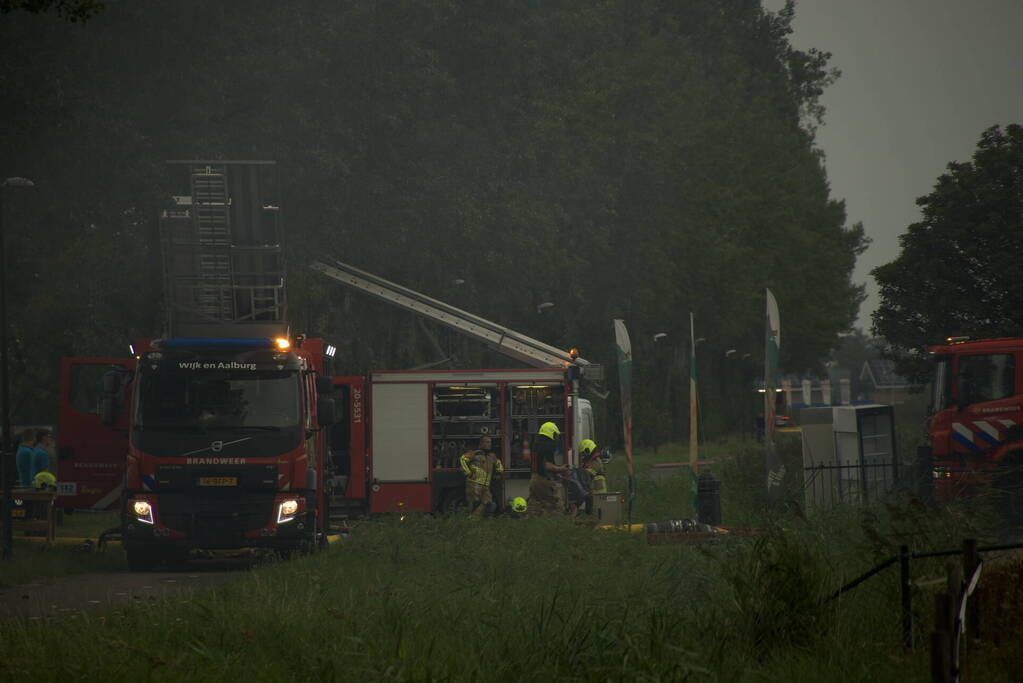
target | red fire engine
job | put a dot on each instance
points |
(210, 437)
(975, 428)
(229, 426)
(397, 444)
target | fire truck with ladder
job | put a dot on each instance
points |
(396, 444)
(212, 436)
(975, 423)
(235, 433)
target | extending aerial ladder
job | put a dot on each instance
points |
(503, 340)
(510, 343)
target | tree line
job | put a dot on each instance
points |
(638, 159)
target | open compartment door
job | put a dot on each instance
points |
(91, 456)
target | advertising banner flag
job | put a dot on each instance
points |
(772, 346)
(693, 405)
(624, 348)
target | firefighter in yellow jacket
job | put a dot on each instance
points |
(545, 488)
(594, 466)
(479, 467)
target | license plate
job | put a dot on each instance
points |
(218, 481)
(18, 513)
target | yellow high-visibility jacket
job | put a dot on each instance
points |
(474, 470)
(492, 463)
(598, 483)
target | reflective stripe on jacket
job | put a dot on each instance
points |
(474, 472)
(493, 463)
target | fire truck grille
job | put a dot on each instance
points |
(216, 521)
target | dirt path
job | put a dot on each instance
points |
(68, 596)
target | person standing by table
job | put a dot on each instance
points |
(23, 458)
(41, 457)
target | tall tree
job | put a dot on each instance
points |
(69, 10)
(633, 159)
(959, 270)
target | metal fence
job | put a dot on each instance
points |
(950, 592)
(856, 481)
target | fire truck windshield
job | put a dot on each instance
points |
(205, 400)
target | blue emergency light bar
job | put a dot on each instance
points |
(218, 342)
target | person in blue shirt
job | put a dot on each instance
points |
(23, 458)
(41, 453)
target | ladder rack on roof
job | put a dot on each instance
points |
(222, 248)
(513, 344)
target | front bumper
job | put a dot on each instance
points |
(227, 520)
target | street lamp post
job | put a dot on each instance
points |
(5, 382)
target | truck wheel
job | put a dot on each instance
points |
(143, 559)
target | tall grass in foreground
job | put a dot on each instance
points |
(537, 600)
(515, 600)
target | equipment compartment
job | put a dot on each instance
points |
(464, 402)
(461, 416)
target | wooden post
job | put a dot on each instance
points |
(941, 650)
(907, 598)
(971, 558)
(955, 579)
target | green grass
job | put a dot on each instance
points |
(34, 562)
(538, 600)
(457, 599)
(737, 464)
(87, 524)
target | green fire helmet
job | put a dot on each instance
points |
(587, 446)
(550, 430)
(519, 504)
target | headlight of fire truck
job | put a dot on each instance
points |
(287, 510)
(143, 511)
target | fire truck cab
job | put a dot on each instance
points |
(975, 423)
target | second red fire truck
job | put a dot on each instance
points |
(975, 428)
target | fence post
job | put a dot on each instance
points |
(864, 489)
(841, 485)
(907, 598)
(955, 589)
(971, 558)
(898, 469)
(941, 650)
(924, 474)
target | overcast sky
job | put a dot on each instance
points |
(920, 80)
